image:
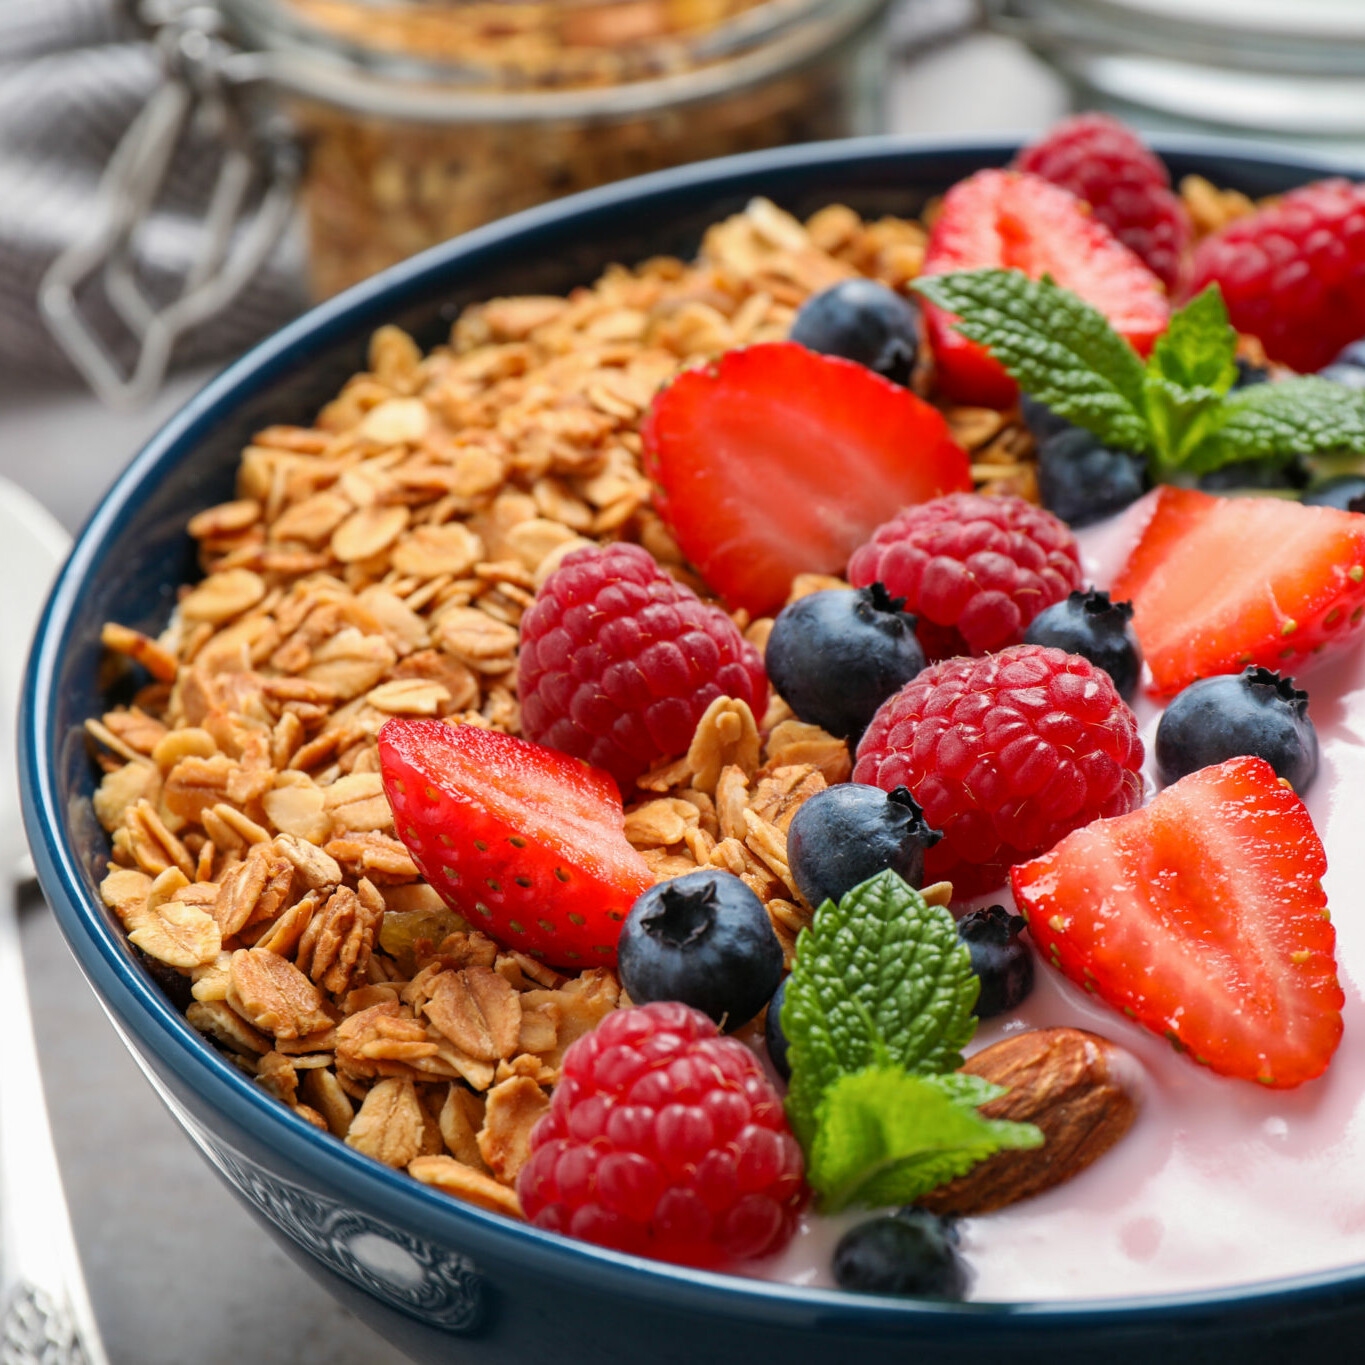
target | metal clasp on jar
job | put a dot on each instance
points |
(210, 81)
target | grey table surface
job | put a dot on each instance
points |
(178, 1273)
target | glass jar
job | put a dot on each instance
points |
(424, 118)
(1289, 70)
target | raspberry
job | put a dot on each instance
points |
(1103, 162)
(1006, 755)
(974, 569)
(665, 1139)
(618, 662)
(1293, 273)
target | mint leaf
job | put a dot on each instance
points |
(1197, 349)
(1190, 369)
(1058, 348)
(886, 1137)
(1308, 416)
(880, 979)
(962, 1087)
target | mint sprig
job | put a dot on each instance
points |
(886, 1137)
(1179, 408)
(877, 1011)
(880, 980)
(1058, 348)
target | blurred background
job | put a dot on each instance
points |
(177, 179)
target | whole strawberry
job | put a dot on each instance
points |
(1005, 755)
(618, 662)
(665, 1139)
(1125, 183)
(527, 844)
(1293, 273)
(975, 570)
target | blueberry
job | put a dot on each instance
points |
(909, 1252)
(1348, 367)
(1352, 355)
(1346, 491)
(849, 832)
(999, 957)
(864, 321)
(1353, 376)
(1252, 712)
(773, 1035)
(1082, 480)
(835, 656)
(1249, 374)
(703, 939)
(1089, 624)
(1041, 421)
(1291, 473)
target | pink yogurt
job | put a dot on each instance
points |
(1219, 1182)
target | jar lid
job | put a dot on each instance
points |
(531, 60)
(1337, 20)
(1311, 36)
(1278, 68)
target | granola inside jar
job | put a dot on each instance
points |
(425, 118)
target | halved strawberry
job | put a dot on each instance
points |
(773, 461)
(526, 843)
(1219, 583)
(1203, 917)
(1018, 221)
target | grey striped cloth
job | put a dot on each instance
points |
(73, 75)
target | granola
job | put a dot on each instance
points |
(501, 137)
(377, 564)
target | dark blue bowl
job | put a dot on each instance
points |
(442, 1280)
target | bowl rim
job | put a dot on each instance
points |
(132, 995)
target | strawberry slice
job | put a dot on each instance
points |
(1201, 916)
(526, 843)
(1219, 583)
(773, 461)
(1018, 221)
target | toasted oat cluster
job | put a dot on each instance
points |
(377, 564)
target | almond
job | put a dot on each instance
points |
(1080, 1089)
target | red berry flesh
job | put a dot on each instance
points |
(1125, 183)
(524, 842)
(1293, 273)
(1014, 221)
(667, 1140)
(974, 570)
(618, 662)
(1202, 917)
(772, 461)
(1220, 583)
(1005, 755)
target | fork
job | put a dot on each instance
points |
(46, 1318)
